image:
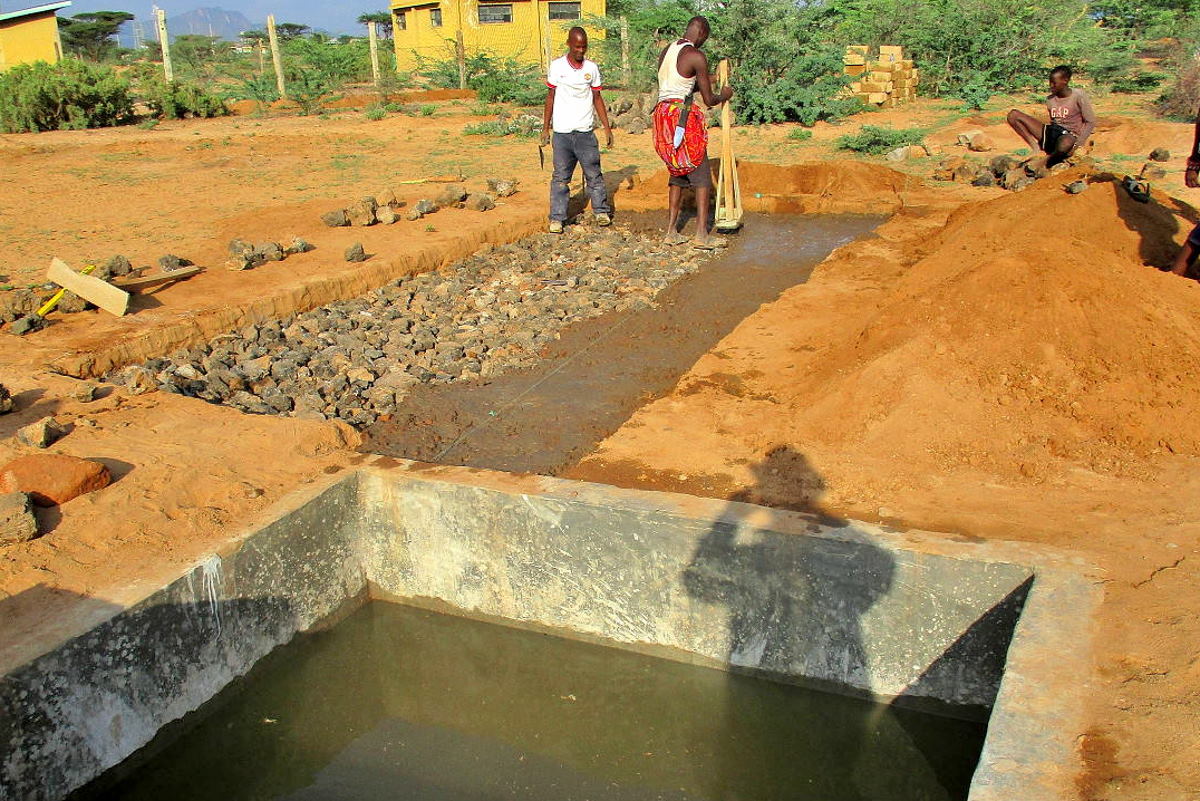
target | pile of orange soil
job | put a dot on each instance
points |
(1031, 330)
(840, 187)
(1026, 337)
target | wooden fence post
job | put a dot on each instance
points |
(373, 39)
(460, 53)
(276, 58)
(160, 21)
(626, 73)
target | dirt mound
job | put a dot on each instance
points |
(1125, 136)
(840, 187)
(847, 178)
(1029, 332)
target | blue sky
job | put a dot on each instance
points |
(331, 17)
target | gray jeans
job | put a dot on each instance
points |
(579, 147)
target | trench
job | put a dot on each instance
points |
(545, 418)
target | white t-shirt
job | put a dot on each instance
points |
(573, 88)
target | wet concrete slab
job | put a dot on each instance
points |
(546, 418)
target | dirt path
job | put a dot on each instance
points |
(544, 419)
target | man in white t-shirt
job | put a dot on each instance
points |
(572, 104)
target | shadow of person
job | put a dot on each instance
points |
(614, 182)
(1155, 224)
(794, 607)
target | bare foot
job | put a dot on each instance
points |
(1036, 161)
(674, 238)
(709, 242)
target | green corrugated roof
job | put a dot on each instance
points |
(28, 12)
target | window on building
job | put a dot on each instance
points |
(435, 17)
(399, 23)
(564, 11)
(495, 12)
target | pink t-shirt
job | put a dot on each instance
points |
(1073, 112)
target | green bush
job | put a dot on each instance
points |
(649, 24)
(785, 66)
(260, 88)
(1181, 100)
(784, 69)
(428, 110)
(965, 46)
(177, 100)
(70, 95)
(877, 140)
(375, 113)
(800, 134)
(310, 88)
(974, 92)
(494, 80)
(335, 64)
(524, 126)
(1135, 84)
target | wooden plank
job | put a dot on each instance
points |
(146, 281)
(728, 212)
(90, 288)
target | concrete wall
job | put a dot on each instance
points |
(28, 39)
(838, 603)
(84, 707)
(531, 38)
(836, 607)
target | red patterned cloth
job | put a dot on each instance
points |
(694, 149)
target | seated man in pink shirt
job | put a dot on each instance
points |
(1072, 120)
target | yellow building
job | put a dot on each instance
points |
(30, 35)
(529, 31)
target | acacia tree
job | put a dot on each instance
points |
(382, 19)
(291, 30)
(201, 54)
(90, 34)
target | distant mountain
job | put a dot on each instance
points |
(216, 22)
(322, 15)
(209, 22)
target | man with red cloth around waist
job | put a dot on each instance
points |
(681, 143)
